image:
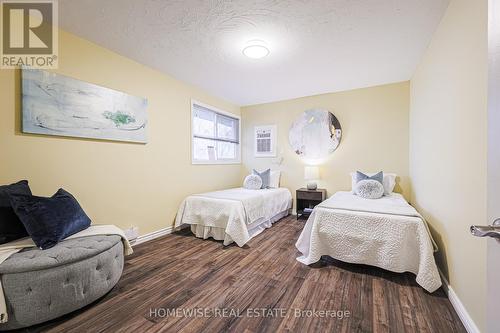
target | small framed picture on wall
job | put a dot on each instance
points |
(265, 141)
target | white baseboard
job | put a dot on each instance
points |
(155, 234)
(460, 309)
(152, 235)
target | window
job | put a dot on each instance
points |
(216, 136)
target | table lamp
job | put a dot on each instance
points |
(311, 174)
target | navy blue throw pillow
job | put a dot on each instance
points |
(50, 220)
(11, 227)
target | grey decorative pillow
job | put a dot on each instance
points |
(369, 189)
(266, 177)
(252, 182)
(378, 177)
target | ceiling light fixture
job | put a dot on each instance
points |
(256, 49)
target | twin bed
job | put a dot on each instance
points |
(386, 232)
(234, 215)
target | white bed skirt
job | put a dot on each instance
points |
(254, 229)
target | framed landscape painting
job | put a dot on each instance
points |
(54, 104)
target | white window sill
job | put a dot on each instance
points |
(221, 162)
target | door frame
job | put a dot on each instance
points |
(493, 171)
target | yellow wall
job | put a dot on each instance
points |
(142, 185)
(448, 147)
(375, 135)
(116, 183)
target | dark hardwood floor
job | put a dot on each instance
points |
(182, 272)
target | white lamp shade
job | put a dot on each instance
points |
(311, 173)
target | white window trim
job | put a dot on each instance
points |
(229, 114)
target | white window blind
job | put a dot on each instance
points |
(216, 136)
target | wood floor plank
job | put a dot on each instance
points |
(179, 271)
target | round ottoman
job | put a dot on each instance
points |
(43, 285)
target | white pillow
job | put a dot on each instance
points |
(389, 182)
(274, 181)
(252, 182)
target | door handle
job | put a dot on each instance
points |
(486, 230)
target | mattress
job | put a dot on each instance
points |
(233, 215)
(387, 233)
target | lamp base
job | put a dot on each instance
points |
(312, 186)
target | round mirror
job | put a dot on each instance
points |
(315, 134)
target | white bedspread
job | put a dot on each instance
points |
(233, 210)
(386, 232)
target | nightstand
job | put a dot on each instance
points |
(308, 199)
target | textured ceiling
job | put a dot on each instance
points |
(317, 46)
